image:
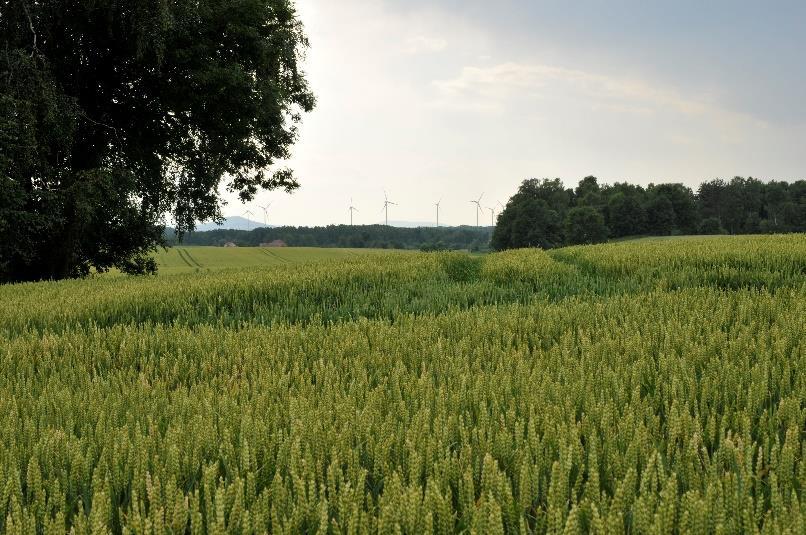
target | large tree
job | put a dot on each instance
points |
(529, 220)
(114, 114)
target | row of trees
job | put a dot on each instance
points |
(543, 213)
(365, 236)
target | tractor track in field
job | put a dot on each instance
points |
(182, 256)
(188, 258)
(272, 254)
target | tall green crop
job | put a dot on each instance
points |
(523, 392)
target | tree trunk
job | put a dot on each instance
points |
(86, 156)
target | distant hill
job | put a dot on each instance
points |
(231, 223)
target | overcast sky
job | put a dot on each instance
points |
(446, 99)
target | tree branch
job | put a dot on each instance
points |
(10, 74)
(31, 26)
(98, 123)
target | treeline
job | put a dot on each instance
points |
(543, 213)
(364, 236)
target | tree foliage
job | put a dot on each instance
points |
(116, 113)
(660, 216)
(533, 216)
(737, 206)
(711, 225)
(585, 225)
(625, 215)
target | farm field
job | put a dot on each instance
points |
(652, 386)
(183, 259)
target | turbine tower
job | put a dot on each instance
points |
(386, 203)
(266, 213)
(352, 209)
(248, 214)
(478, 208)
(437, 205)
(492, 216)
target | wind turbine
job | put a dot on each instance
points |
(248, 214)
(478, 208)
(492, 216)
(266, 213)
(386, 203)
(437, 205)
(352, 209)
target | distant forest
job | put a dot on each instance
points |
(363, 236)
(543, 213)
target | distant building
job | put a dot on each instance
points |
(275, 243)
(230, 244)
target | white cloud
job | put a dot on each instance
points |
(502, 81)
(418, 44)
(537, 91)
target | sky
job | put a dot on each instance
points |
(448, 99)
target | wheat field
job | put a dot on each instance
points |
(656, 386)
